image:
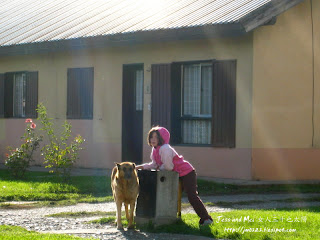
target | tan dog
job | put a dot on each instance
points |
(125, 189)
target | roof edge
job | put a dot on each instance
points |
(162, 35)
(266, 13)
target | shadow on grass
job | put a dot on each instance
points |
(315, 209)
(214, 188)
(180, 227)
(265, 206)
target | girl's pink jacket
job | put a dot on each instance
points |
(165, 157)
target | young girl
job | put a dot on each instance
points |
(164, 157)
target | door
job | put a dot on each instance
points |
(132, 113)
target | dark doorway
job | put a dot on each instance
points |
(132, 113)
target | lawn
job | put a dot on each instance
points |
(41, 186)
(214, 188)
(298, 224)
(18, 233)
(239, 224)
(254, 225)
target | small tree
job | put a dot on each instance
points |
(20, 158)
(61, 153)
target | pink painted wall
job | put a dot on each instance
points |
(209, 162)
(94, 155)
(285, 164)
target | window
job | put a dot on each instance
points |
(195, 101)
(139, 89)
(80, 93)
(19, 94)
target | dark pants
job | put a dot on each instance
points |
(189, 185)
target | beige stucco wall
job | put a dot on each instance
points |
(286, 96)
(103, 133)
(316, 70)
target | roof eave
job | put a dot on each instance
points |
(266, 13)
(163, 35)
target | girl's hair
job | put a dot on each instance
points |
(152, 130)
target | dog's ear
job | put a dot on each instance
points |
(118, 165)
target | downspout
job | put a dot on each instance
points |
(312, 46)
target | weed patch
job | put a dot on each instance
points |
(80, 214)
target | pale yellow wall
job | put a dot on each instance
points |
(286, 96)
(103, 133)
(283, 80)
(316, 46)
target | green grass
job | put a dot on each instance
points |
(39, 186)
(304, 223)
(250, 202)
(229, 228)
(80, 214)
(108, 217)
(50, 191)
(214, 188)
(230, 204)
(19, 206)
(47, 188)
(110, 220)
(18, 233)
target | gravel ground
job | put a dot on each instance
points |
(37, 220)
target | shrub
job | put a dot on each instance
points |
(20, 158)
(61, 153)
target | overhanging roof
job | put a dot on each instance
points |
(28, 26)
